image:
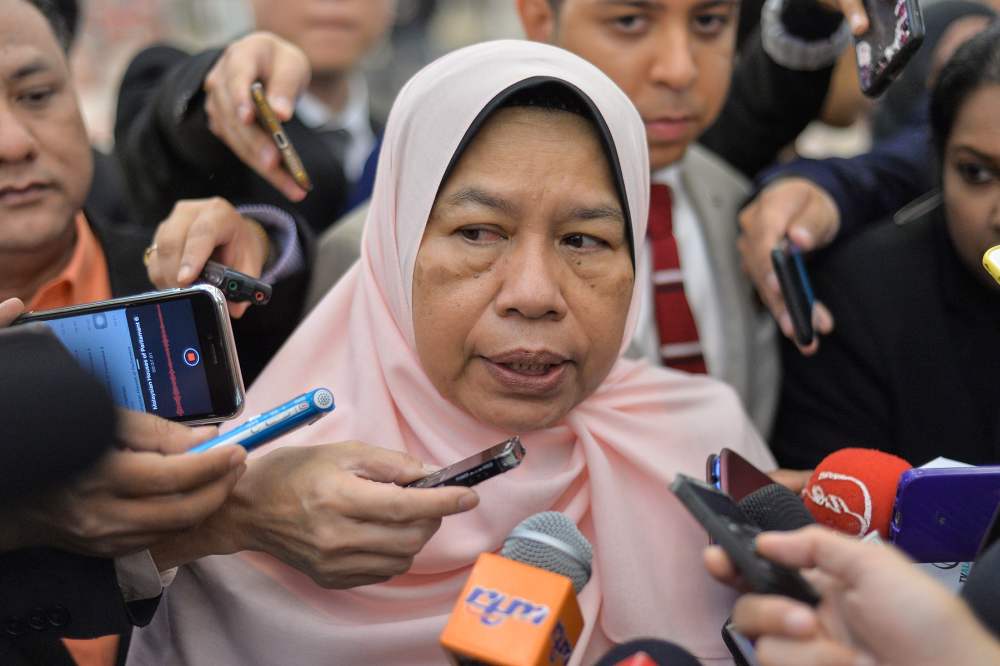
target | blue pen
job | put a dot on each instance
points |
(297, 412)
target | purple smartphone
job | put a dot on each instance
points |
(941, 515)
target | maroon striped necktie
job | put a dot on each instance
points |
(680, 347)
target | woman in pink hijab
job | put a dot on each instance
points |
(495, 291)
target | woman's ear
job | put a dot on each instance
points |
(538, 18)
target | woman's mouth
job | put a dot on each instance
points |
(528, 372)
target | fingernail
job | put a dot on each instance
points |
(430, 469)
(185, 274)
(772, 282)
(799, 620)
(468, 501)
(282, 106)
(238, 455)
(245, 111)
(865, 660)
(857, 23)
(265, 156)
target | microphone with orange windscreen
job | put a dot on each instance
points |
(519, 608)
(853, 491)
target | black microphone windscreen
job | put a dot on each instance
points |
(775, 507)
(982, 589)
(660, 652)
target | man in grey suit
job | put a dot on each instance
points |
(674, 59)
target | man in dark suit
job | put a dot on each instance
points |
(185, 126)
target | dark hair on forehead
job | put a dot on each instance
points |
(549, 96)
(975, 64)
(62, 16)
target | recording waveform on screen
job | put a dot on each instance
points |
(175, 390)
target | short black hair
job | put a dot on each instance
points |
(62, 16)
(975, 64)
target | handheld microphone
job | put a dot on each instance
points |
(853, 490)
(648, 652)
(519, 608)
(776, 508)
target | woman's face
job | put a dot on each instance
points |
(523, 279)
(972, 178)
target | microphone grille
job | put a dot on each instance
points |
(551, 541)
(775, 507)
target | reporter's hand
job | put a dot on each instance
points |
(198, 230)
(803, 211)
(875, 606)
(10, 310)
(331, 511)
(143, 491)
(284, 70)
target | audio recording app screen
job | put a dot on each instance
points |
(147, 355)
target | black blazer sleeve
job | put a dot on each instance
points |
(768, 104)
(55, 419)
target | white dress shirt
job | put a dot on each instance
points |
(355, 118)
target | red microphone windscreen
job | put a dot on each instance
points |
(853, 490)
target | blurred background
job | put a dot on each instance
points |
(113, 31)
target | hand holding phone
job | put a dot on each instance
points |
(796, 289)
(269, 122)
(733, 531)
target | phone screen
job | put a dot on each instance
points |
(148, 355)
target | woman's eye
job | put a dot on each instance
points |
(974, 174)
(631, 24)
(710, 24)
(479, 235)
(583, 242)
(37, 96)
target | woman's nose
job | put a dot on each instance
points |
(531, 285)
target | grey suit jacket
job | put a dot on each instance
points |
(752, 365)
(716, 191)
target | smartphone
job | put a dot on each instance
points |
(942, 514)
(793, 279)
(169, 353)
(739, 646)
(236, 287)
(268, 120)
(734, 475)
(727, 525)
(895, 32)
(300, 411)
(495, 460)
(991, 262)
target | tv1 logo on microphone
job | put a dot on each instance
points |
(513, 614)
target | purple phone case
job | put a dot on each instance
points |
(941, 515)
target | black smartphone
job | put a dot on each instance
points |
(734, 475)
(169, 353)
(793, 279)
(895, 32)
(236, 286)
(495, 460)
(268, 120)
(727, 525)
(739, 646)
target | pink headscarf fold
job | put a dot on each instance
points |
(607, 466)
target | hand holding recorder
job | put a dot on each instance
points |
(283, 69)
(875, 607)
(332, 511)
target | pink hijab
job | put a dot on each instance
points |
(607, 466)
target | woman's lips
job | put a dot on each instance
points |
(532, 373)
(669, 129)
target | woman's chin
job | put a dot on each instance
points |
(518, 416)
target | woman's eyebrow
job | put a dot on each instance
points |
(992, 160)
(474, 195)
(612, 213)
